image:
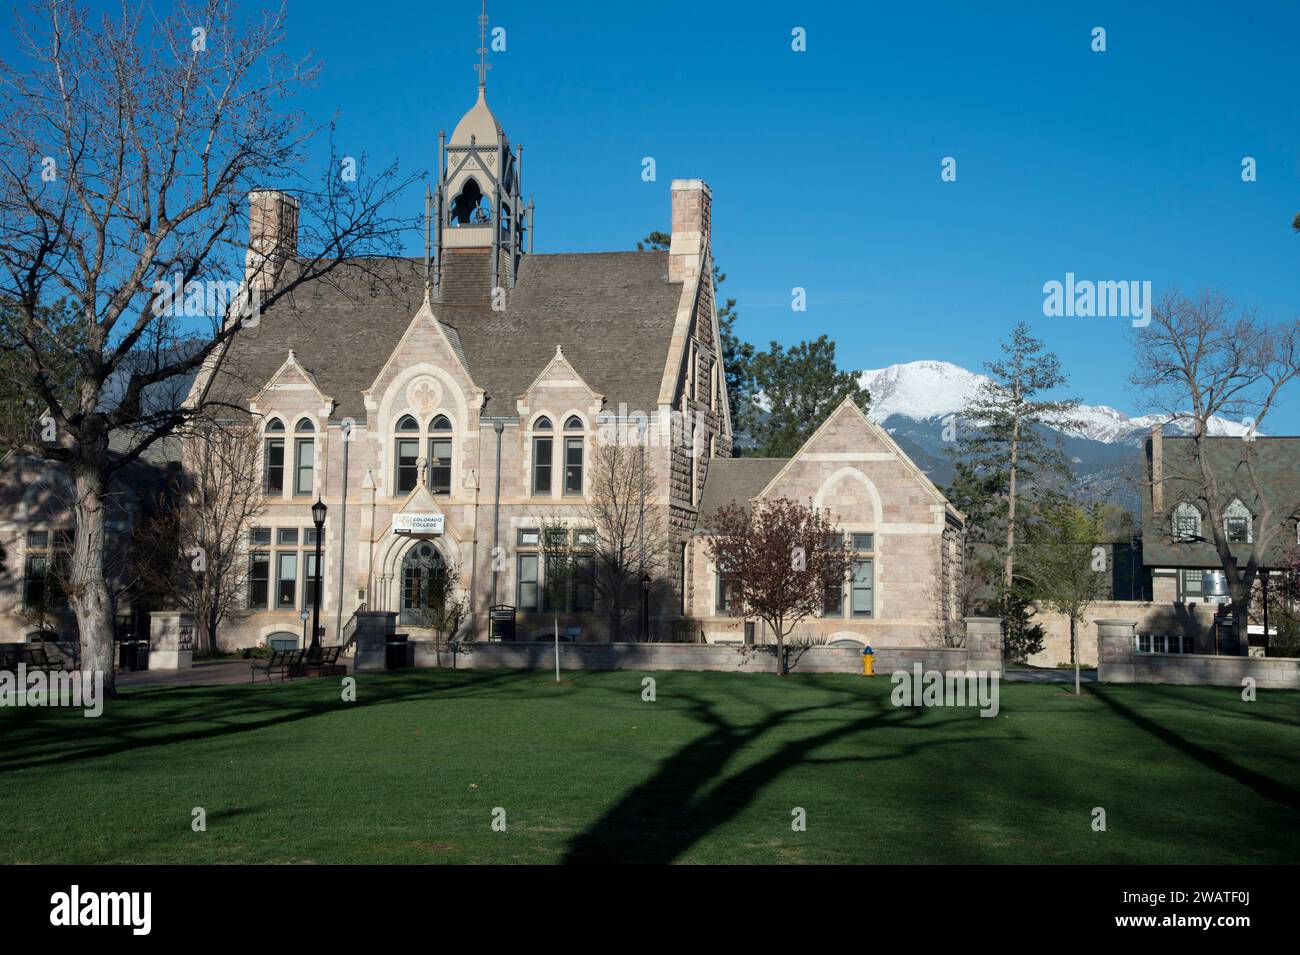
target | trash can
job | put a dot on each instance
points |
(868, 661)
(395, 652)
(502, 617)
(126, 655)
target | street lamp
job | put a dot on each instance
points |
(318, 518)
(304, 615)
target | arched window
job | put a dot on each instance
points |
(407, 455)
(304, 456)
(440, 455)
(470, 206)
(1238, 523)
(543, 456)
(273, 458)
(1186, 523)
(573, 456)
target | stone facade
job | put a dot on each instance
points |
(852, 469)
(1119, 662)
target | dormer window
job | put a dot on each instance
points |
(1186, 523)
(273, 458)
(543, 451)
(1238, 523)
(304, 455)
(573, 456)
(407, 454)
(440, 455)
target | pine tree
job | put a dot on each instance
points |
(1005, 443)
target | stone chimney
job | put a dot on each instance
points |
(272, 236)
(1157, 469)
(692, 222)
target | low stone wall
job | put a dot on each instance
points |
(1120, 663)
(1194, 620)
(983, 651)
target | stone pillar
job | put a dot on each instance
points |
(171, 640)
(984, 644)
(1115, 650)
(374, 628)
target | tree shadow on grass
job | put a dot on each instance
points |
(688, 796)
(1262, 785)
(45, 738)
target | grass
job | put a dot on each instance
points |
(709, 773)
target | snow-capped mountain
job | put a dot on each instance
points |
(922, 390)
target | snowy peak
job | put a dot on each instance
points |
(921, 390)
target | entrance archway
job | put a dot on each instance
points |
(425, 586)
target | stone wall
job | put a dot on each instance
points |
(983, 652)
(1194, 620)
(1120, 663)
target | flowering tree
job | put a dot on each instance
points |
(781, 557)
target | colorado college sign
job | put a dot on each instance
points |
(418, 525)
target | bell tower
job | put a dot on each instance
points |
(478, 201)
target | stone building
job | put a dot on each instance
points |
(907, 540)
(445, 408)
(465, 395)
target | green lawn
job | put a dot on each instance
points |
(708, 773)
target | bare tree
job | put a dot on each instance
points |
(1202, 358)
(630, 539)
(127, 148)
(782, 557)
(203, 526)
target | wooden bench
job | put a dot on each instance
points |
(288, 663)
(36, 657)
(325, 661)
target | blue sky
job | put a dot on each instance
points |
(825, 165)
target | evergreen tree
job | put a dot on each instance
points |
(800, 386)
(1005, 443)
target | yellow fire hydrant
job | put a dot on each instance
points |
(868, 662)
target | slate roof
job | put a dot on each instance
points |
(736, 480)
(612, 312)
(1277, 462)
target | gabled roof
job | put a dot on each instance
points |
(1277, 463)
(612, 312)
(736, 481)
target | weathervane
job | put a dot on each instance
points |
(483, 65)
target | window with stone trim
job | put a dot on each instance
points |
(304, 458)
(406, 455)
(273, 457)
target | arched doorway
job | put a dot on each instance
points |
(425, 586)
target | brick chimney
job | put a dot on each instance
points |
(1157, 469)
(692, 222)
(272, 235)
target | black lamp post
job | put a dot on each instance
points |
(318, 518)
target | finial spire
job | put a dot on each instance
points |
(483, 65)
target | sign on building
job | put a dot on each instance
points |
(418, 525)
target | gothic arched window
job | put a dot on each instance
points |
(1238, 523)
(407, 455)
(573, 455)
(471, 206)
(440, 455)
(273, 457)
(543, 456)
(1186, 523)
(304, 455)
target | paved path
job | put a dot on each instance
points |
(204, 673)
(1048, 675)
